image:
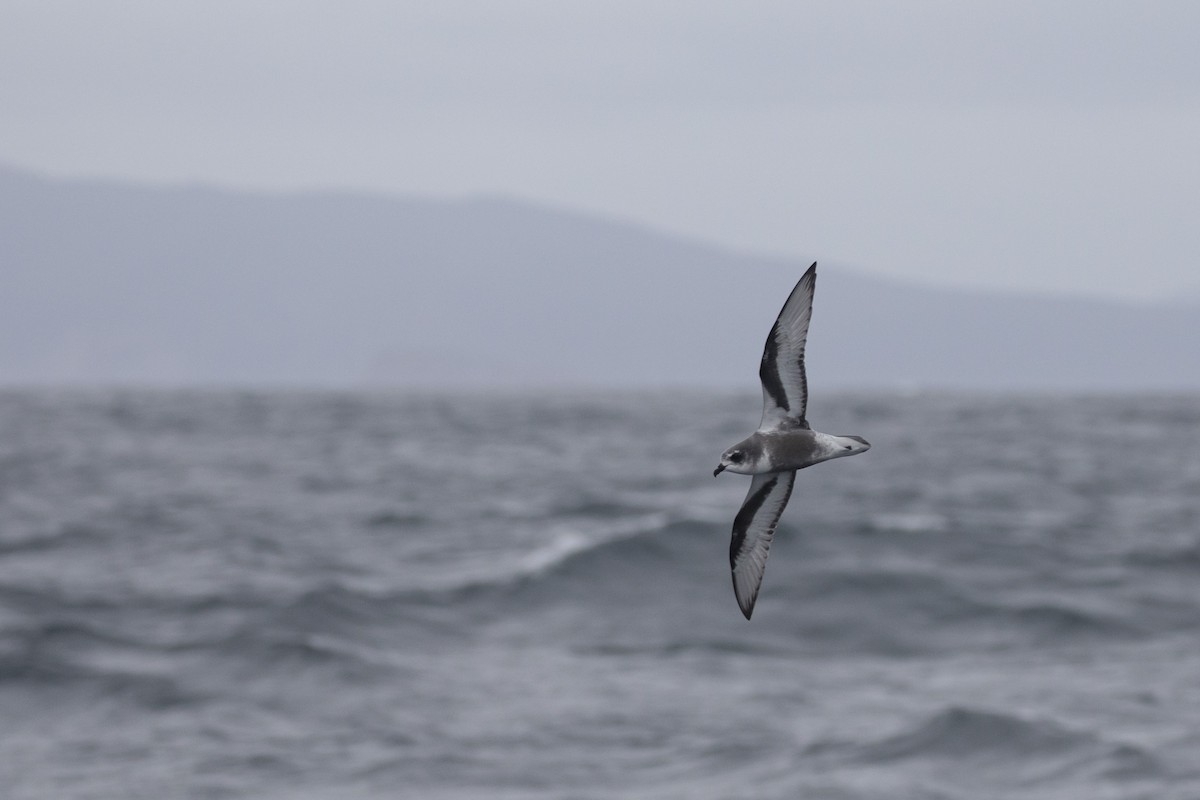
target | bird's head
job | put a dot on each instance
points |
(741, 458)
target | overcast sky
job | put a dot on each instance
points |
(1039, 145)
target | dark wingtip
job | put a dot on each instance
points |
(809, 275)
(745, 604)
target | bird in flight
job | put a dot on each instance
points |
(782, 444)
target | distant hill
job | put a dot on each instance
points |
(112, 283)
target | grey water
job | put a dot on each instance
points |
(350, 595)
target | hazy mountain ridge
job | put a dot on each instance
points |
(104, 282)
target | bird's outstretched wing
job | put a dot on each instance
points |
(753, 529)
(785, 387)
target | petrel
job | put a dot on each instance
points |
(782, 444)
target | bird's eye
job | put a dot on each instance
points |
(735, 458)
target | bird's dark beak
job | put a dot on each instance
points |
(720, 468)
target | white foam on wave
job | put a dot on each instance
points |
(563, 546)
(569, 540)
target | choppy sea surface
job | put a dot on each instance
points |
(338, 595)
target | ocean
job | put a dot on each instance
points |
(301, 595)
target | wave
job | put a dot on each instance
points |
(597, 508)
(959, 732)
(572, 571)
(71, 535)
(812, 598)
(1000, 747)
(139, 649)
(654, 585)
(631, 545)
(397, 519)
(903, 610)
(690, 645)
(1184, 557)
(62, 656)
